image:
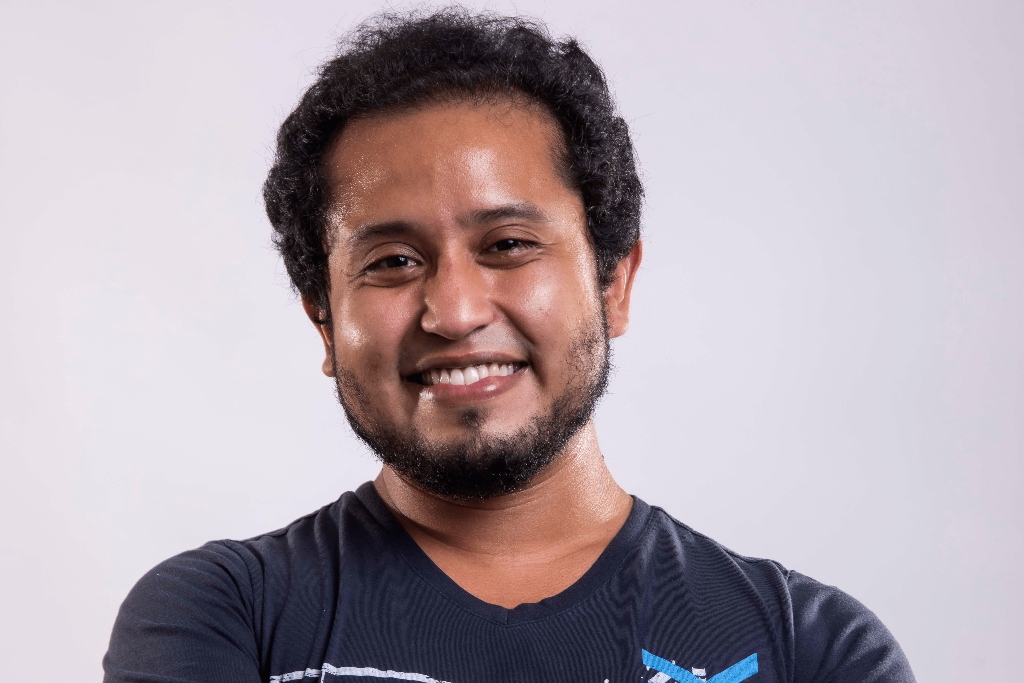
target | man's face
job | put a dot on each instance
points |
(468, 332)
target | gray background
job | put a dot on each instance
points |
(826, 364)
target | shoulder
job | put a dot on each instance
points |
(218, 572)
(187, 617)
(242, 571)
(839, 639)
(213, 604)
(824, 634)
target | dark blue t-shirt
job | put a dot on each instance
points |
(345, 595)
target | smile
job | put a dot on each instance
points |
(468, 375)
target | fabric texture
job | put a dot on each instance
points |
(345, 595)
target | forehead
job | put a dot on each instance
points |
(444, 158)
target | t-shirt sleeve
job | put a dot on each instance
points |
(839, 640)
(189, 619)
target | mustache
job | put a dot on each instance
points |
(499, 341)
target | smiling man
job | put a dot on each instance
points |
(457, 204)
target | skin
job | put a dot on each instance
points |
(455, 241)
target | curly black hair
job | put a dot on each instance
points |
(393, 61)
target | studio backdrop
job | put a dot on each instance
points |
(826, 358)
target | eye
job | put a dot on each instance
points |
(508, 245)
(392, 262)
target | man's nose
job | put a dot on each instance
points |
(457, 299)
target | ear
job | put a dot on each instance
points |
(322, 323)
(616, 297)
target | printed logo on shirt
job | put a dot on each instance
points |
(669, 671)
(701, 674)
(351, 671)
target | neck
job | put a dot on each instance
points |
(524, 546)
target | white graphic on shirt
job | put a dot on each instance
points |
(664, 678)
(365, 672)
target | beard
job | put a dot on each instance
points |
(479, 465)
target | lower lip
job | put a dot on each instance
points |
(480, 390)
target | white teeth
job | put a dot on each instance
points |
(468, 375)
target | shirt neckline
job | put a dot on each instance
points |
(606, 565)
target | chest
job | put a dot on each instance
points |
(620, 634)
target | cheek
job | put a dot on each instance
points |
(549, 308)
(538, 299)
(367, 333)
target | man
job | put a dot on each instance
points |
(457, 203)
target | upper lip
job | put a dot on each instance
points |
(461, 360)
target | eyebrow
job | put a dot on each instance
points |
(517, 210)
(366, 233)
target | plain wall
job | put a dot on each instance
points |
(825, 366)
